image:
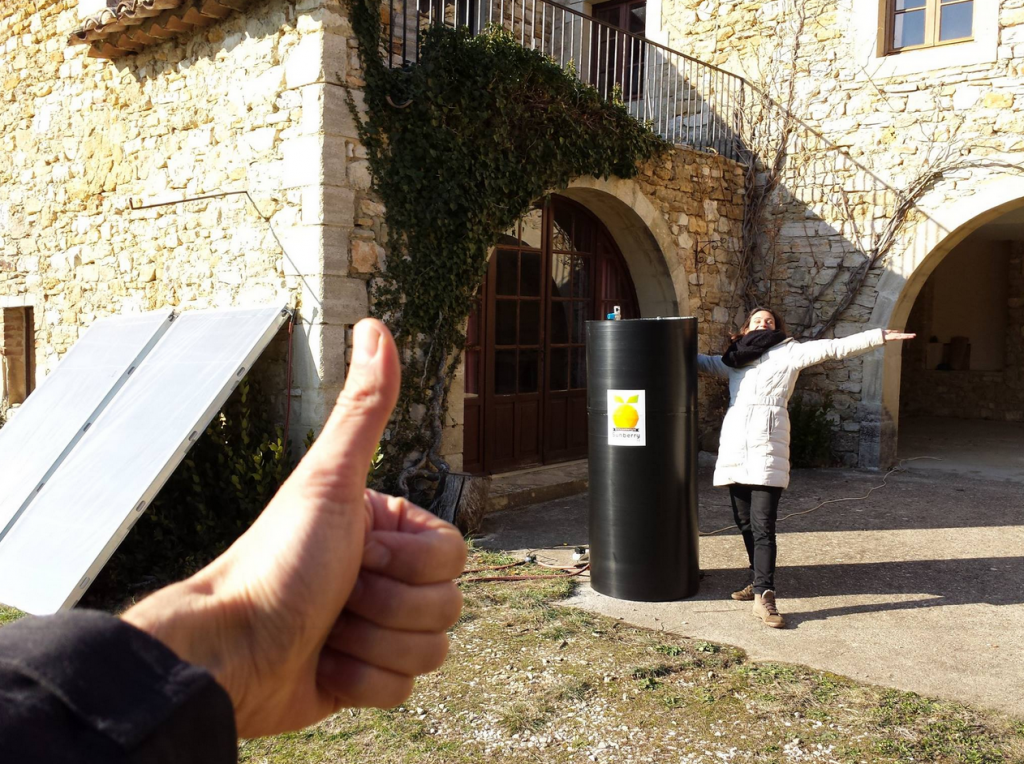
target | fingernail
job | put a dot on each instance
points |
(376, 556)
(365, 342)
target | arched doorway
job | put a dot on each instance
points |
(525, 358)
(962, 382)
(947, 220)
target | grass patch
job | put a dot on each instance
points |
(521, 717)
(574, 690)
(651, 672)
(769, 673)
(919, 729)
(704, 696)
(529, 679)
(9, 615)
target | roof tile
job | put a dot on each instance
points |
(131, 25)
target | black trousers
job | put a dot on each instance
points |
(756, 510)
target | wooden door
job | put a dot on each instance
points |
(619, 59)
(514, 347)
(571, 305)
(588, 279)
(525, 358)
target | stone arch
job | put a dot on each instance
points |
(644, 238)
(948, 220)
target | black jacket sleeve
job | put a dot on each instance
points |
(86, 687)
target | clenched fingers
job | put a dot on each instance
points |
(410, 544)
(397, 605)
(402, 652)
(356, 684)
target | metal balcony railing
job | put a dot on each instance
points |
(686, 101)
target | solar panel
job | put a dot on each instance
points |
(56, 414)
(68, 531)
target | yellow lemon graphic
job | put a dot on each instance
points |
(625, 417)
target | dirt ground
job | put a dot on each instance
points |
(917, 586)
(531, 680)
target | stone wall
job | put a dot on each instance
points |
(867, 127)
(252, 104)
(336, 234)
(701, 198)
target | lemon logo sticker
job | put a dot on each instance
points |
(625, 416)
(626, 420)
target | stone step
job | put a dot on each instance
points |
(511, 490)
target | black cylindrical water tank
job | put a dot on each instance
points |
(642, 416)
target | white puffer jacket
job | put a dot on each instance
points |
(754, 447)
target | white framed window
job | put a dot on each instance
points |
(916, 42)
(913, 24)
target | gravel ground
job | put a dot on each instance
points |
(529, 679)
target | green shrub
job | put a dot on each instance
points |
(810, 433)
(217, 491)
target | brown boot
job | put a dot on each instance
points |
(764, 608)
(746, 594)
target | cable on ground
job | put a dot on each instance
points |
(494, 567)
(486, 579)
(534, 557)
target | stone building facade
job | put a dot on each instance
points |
(187, 173)
(872, 117)
(196, 153)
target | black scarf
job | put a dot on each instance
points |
(750, 347)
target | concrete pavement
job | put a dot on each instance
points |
(919, 586)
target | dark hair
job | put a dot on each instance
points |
(780, 322)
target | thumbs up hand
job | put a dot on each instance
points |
(336, 596)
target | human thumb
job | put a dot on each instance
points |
(342, 453)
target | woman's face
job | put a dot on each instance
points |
(761, 320)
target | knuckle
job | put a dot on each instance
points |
(358, 399)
